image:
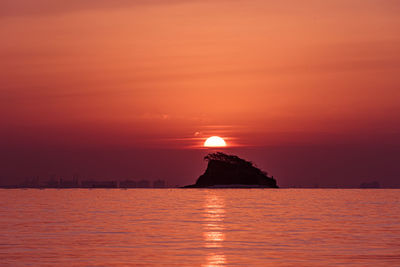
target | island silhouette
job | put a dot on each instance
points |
(230, 171)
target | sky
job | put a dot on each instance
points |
(308, 90)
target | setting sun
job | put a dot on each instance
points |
(214, 141)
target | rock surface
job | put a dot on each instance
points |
(229, 171)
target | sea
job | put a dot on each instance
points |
(200, 227)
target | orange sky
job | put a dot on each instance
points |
(152, 74)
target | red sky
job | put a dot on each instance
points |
(312, 85)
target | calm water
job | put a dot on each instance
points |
(272, 227)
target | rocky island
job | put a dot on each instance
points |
(230, 171)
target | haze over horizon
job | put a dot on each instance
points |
(131, 89)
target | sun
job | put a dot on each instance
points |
(214, 141)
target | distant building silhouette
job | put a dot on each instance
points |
(53, 182)
(143, 184)
(77, 180)
(32, 182)
(127, 184)
(159, 184)
(99, 184)
(68, 183)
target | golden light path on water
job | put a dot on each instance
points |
(214, 236)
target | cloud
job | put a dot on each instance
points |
(51, 7)
(54, 7)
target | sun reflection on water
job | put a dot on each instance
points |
(214, 214)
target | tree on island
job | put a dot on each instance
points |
(231, 171)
